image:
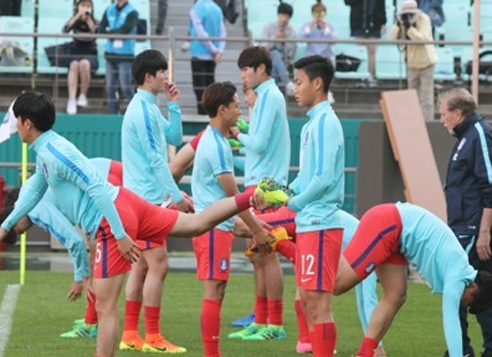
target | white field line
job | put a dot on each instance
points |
(6, 315)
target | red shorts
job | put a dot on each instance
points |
(318, 254)
(145, 244)
(141, 220)
(376, 241)
(213, 254)
(283, 217)
(115, 176)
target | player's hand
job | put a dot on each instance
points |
(128, 249)
(88, 290)
(185, 206)
(172, 93)
(3, 234)
(75, 291)
(262, 236)
(483, 246)
(258, 202)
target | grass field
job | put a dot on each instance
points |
(42, 313)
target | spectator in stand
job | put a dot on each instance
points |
(206, 20)
(319, 29)
(161, 16)
(82, 59)
(413, 24)
(119, 18)
(368, 21)
(282, 52)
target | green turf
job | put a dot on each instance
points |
(42, 313)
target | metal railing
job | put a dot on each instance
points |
(168, 44)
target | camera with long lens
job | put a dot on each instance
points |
(87, 12)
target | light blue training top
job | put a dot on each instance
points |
(213, 157)
(144, 137)
(319, 185)
(81, 192)
(48, 216)
(268, 141)
(431, 246)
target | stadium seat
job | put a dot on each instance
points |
(48, 25)
(467, 56)
(390, 62)
(357, 51)
(457, 27)
(444, 69)
(17, 24)
(63, 9)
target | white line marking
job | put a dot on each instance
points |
(6, 315)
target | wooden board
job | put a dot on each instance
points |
(413, 151)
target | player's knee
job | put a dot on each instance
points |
(397, 298)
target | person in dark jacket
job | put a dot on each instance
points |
(469, 194)
(368, 21)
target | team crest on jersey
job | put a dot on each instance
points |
(370, 267)
(224, 264)
(45, 171)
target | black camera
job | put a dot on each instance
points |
(407, 19)
(87, 12)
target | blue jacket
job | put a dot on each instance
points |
(433, 8)
(120, 21)
(469, 178)
(145, 134)
(206, 20)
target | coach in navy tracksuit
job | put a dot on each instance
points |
(469, 193)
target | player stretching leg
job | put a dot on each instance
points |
(388, 236)
(212, 180)
(99, 208)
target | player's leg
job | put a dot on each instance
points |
(213, 296)
(194, 225)
(367, 300)
(261, 302)
(273, 281)
(107, 293)
(213, 252)
(393, 279)
(303, 339)
(131, 339)
(318, 254)
(86, 327)
(242, 230)
(157, 262)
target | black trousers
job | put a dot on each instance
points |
(203, 72)
(485, 318)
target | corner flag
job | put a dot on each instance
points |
(8, 125)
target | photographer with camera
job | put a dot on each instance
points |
(82, 55)
(414, 25)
